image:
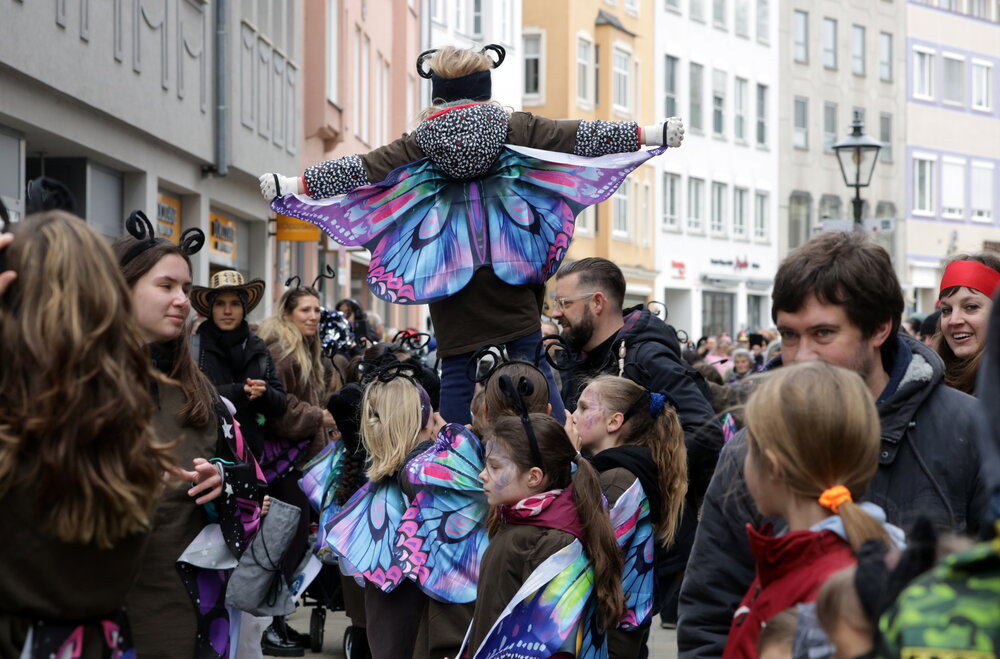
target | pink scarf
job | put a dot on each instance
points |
(551, 510)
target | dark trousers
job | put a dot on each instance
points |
(394, 620)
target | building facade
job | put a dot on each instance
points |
(838, 58)
(952, 156)
(593, 59)
(171, 107)
(716, 65)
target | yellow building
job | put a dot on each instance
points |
(593, 59)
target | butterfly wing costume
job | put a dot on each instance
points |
(633, 527)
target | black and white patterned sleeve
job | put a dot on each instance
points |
(335, 177)
(598, 138)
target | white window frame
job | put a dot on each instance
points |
(800, 42)
(717, 224)
(698, 98)
(672, 5)
(621, 80)
(987, 78)
(720, 9)
(671, 218)
(741, 18)
(982, 214)
(800, 134)
(621, 209)
(920, 89)
(439, 12)
(366, 95)
(761, 124)
(584, 71)
(763, 22)
(333, 43)
(475, 14)
(645, 219)
(960, 166)
(885, 65)
(946, 57)
(719, 83)
(924, 204)
(761, 212)
(632, 7)
(741, 197)
(885, 154)
(671, 83)
(585, 221)
(696, 204)
(537, 97)
(829, 132)
(830, 43)
(859, 46)
(741, 92)
(461, 15)
(697, 10)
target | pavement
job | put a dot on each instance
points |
(662, 642)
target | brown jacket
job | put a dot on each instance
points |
(304, 416)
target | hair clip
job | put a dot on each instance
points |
(498, 49)
(517, 394)
(423, 57)
(330, 273)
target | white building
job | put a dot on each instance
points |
(716, 247)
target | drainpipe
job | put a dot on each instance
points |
(221, 167)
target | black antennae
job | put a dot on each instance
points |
(423, 57)
(329, 274)
(517, 394)
(192, 240)
(139, 226)
(499, 50)
(296, 279)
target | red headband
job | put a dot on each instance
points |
(973, 274)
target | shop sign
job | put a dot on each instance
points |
(223, 235)
(736, 263)
(679, 269)
(292, 229)
(168, 217)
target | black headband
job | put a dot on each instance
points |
(475, 86)
(556, 353)
(139, 226)
(517, 394)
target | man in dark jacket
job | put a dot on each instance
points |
(836, 299)
(588, 305)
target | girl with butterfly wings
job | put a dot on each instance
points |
(473, 211)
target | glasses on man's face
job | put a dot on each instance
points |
(561, 303)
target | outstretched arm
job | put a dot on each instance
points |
(591, 138)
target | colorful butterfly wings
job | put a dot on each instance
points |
(320, 477)
(363, 534)
(442, 537)
(429, 233)
(634, 531)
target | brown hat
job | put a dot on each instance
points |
(250, 293)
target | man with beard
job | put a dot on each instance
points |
(836, 299)
(588, 305)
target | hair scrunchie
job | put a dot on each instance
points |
(834, 497)
(656, 404)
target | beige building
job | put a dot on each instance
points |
(836, 58)
(952, 156)
(593, 59)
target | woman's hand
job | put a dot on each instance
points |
(207, 479)
(265, 506)
(328, 421)
(254, 388)
(7, 277)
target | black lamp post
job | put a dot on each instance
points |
(857, 154)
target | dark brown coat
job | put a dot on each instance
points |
(304, 416)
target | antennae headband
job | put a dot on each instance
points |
(517, 394)
(140, 228)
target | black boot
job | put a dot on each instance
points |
(276, 643)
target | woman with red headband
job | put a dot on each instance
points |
(968, 287)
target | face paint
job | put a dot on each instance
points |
(503, 481)
(590, 418)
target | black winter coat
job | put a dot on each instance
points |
(229, 379)
(928, 466)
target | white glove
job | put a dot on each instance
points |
(669, 132)
(275, 185)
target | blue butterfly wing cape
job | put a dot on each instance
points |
(633, 527)
(363, 534)
(442, 537)
(320, 478)
(428, 233)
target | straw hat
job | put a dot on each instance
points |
(251, 293)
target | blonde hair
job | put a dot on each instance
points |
(778, 631)
(390, 423)
(451, 62)
(75, 414)
(820, 423)
(305, 350)
(838, 601)
(664, 438)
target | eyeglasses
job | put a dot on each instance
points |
(560, 302)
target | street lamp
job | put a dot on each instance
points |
(857, 154)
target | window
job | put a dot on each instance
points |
(953, 79)
(760, 228)
(952, 188)
(829, 126)
(718, 313)
(583, 76)
(505, 21)
(671, 201)
(885, 56)
(719, 103)
(333, 41)
(740, 109)
(356, 100)
(632, 6)
(830, 43)
(977, 8)
(362, 87)
(740, 196)
(830, 207)
(672, 5)
(533, 65)
(742, 22)
(982, 86)
(982, 191)
(696, 204)
(799, 218)
(698, 10)
(620, 211)
(460, 25)
(763, 22)
(438, 11)
(696, 83)
(800, 27)
(761, 115)
(586, 221)
(923, 78)
(858, 50)
(950, 5)
(923, 185)
(621, 83)
(670, 86)
(885, 136)
(597, 74)
(718, 221)
(719, 13)
(800, 138)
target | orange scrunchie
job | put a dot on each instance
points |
(835, 496)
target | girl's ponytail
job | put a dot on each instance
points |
(600, 544)
(666, 445)
(859, 526)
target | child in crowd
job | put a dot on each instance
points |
(637, 445)
(842, 617)
(777, 636)
(813, 442)
(550, 580)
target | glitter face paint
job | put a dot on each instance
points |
(590, 419)
(503, 481)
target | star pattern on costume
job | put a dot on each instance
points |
(227, 429)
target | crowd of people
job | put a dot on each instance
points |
(495, 490)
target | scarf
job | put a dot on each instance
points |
(230, 344)
(639, 461)
(551, 510)
(164, 355)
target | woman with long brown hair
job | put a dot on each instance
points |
(81, 468)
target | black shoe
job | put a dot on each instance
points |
(296, 636)
(274, 644)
